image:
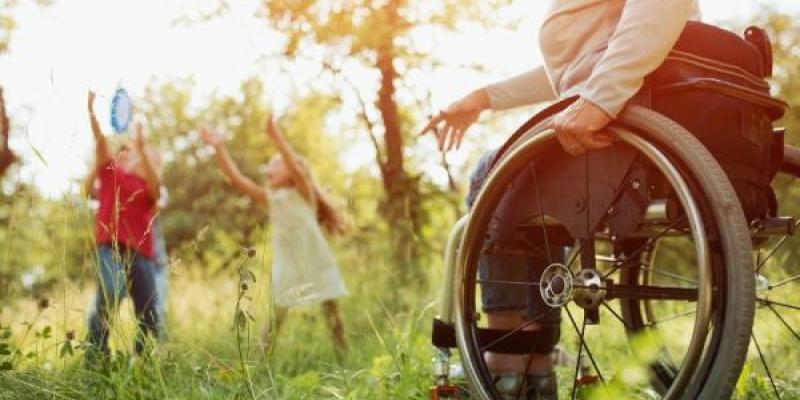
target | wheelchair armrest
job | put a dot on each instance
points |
(775, 107)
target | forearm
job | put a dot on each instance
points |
(101, 146)
(288, 154)
(527, 88)
(647, 31)
(226, 164)
(235, 177)
(290, 158)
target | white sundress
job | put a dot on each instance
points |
(304, 269)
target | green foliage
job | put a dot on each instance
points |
(46, 240)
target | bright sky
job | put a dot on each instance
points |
(58, 53)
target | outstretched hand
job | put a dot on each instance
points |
(457, 118)
(211, 138)
(90, 101)
(580, 127)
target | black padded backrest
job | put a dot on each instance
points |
(720, 45)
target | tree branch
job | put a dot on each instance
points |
(363, 115)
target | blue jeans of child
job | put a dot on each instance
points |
(120, 272)
(499, 297)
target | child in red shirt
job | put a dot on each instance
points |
(128, 191)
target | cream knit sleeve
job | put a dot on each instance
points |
(647, 31)
(527, 88)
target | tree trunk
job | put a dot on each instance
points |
(7, 157)
(400, 207)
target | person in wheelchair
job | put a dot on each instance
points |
(600, 51)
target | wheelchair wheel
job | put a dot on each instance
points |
(656, 186)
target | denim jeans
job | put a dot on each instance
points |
(510, 268)
(122, 271)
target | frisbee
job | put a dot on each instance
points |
(121, 111)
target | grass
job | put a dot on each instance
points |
(212, 350)
(201, 359)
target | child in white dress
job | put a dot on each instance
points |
(304, 269)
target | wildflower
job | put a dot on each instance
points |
(43, 303)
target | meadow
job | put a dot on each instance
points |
(357, 123)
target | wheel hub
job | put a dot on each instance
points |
(555, 285)
(589, 289)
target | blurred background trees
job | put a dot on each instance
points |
(398, 216)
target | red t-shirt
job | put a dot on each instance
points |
(126, 210)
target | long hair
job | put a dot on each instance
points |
(329, 216)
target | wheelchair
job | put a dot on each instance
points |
(664, 251)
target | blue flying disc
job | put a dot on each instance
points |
(121, 111)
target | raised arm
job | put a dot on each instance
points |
(301, 179)
(148, 164)
(231, 171)
(102, 154)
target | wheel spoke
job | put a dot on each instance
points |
(541, 213)
(785, 281)
(647, 244)
(594, 228)
(771, 253)
(671, 317)
(777, 303)
(786, 324)
(766, 367)
(584, 344)
(617, 316)
(669, 275)
(578, 357)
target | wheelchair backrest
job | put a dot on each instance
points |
(713, 84)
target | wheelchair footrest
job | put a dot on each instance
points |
(495, 340)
